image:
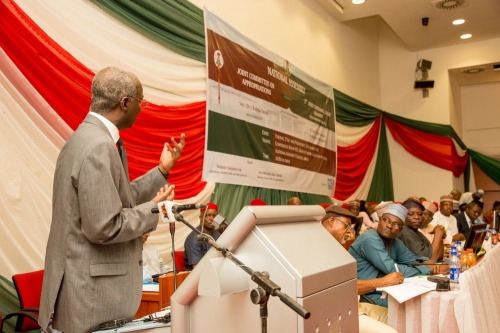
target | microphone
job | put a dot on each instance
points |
(179, 208)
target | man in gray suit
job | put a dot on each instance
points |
(93, 262)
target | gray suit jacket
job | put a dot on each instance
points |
(93, 262)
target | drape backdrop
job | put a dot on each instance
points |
(49, 54)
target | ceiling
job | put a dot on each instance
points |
(404, 17)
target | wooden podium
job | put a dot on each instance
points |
(152, 301)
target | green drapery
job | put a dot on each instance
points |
(175, 24)
(232, 198)
(381, 188)
(489, 165)
(438, 129)
(352, 112)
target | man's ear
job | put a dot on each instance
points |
(124, 102)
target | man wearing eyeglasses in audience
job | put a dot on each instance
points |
(337, 221)
(378, 252)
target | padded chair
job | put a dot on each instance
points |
(179, 261)
(29, 291)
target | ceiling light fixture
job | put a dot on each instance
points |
(358, 2)
(458, 22)
(466, 36)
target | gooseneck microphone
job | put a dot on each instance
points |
(179, 208)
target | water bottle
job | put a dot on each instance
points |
(454, 269)
(458, 245)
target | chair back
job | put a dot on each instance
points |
(29, 290)
(179, 262)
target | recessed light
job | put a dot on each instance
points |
(466, 36)
(458, 22)
(358, 2)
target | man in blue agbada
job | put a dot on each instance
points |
(378, 252)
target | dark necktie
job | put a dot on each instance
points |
(123, 155)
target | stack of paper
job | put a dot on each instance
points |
(411, 287)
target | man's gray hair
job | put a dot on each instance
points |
(109, 86)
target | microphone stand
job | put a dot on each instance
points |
(172, 233)
(267, 287)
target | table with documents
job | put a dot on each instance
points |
(473, 308)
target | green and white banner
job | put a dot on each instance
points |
(268, 123)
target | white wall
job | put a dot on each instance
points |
(397, 66)
(481, 120)
(366, 60)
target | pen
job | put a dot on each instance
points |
(396, 267)
(422, 264)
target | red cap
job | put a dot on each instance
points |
(211, 205)
(325, 205)
(258, 202)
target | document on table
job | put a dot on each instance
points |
(411, 287)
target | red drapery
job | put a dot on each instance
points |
(437, 150)
(65, 84)
(353, 162)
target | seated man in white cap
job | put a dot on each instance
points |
(448, 221)
(379, 253)
(337, 221)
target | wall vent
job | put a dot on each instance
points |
(473, 71)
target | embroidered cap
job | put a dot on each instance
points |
(397, 210)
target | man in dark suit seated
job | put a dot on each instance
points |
(471, 216)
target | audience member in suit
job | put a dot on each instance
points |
(471, 216)
(93, 262)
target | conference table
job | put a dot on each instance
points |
(473, 308)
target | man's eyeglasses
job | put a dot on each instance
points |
(347, 225)
(141, 101)
(394, 225)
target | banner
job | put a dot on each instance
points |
(268, 123)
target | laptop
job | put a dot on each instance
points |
(476, 237)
